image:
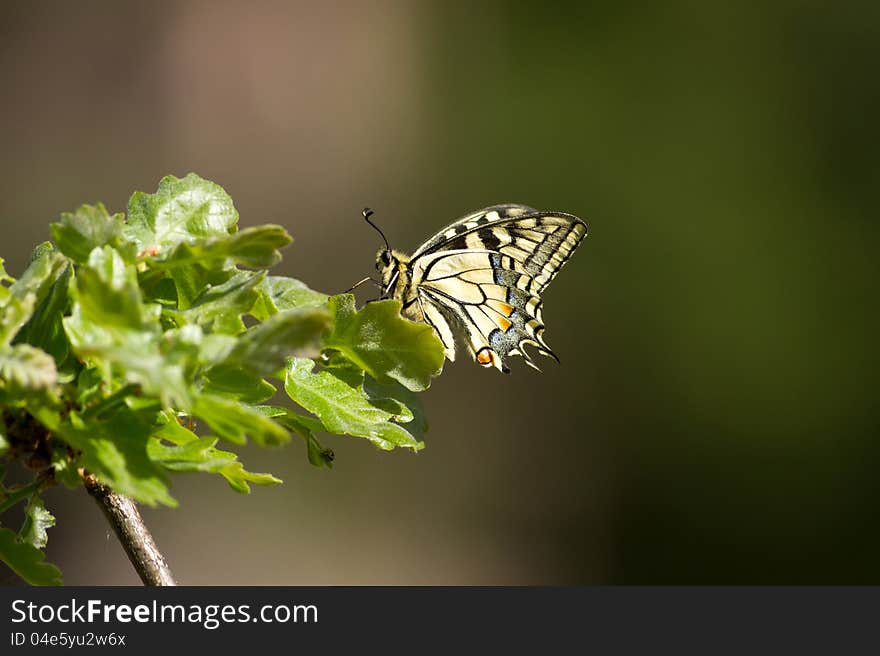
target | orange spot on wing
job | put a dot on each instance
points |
(484, 356)
(503, 323)
(501, 307)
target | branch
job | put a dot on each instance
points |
(123, 515)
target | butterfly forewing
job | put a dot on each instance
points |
(446, 238)
(479, 280)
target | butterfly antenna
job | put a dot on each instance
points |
(367, 214)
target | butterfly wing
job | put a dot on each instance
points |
(481, 279)
(446, 237)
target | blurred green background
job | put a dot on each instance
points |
(715, 418)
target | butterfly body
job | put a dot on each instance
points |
(479, 280)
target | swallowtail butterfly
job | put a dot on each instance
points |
(479, 280)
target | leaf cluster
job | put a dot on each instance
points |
(141, 344)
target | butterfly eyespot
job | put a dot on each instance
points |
(485, 357)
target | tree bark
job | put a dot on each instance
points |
(123, 515)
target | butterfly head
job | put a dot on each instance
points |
(389, 263)
(384, 258)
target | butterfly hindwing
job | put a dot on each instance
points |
(480, 280)
(492, 320)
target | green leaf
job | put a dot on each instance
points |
(318, 455)
(133, 354)
(278, 293)
(4, 277)
(40, 250)
(45, 329)
(110, 324)
(251, 247)
(236, 475)
(168, 428)
(235, 422)
(29, 291)
(108, 291)
(78, 233)
(65, 465)
(114, 448)
(265, 348)
(24, 369)
(199, 454)
(190, 281)
(306, 427)
(407, 405)
(338, 399)
(181, 210)
(13, 316)
(26, 560)
(224, 303)
(45, 267)
(214, 347)
(158, 289)
(236, 383)
(384, 344)
(4, 290)
(36, 520)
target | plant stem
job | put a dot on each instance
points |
(123, 515)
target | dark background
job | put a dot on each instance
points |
(715, 417)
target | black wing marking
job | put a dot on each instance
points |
(542, 242)
(470, 221)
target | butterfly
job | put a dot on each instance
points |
(478, 282)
